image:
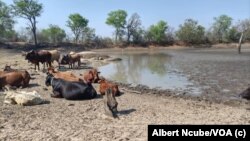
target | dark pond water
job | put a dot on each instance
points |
(155, 70)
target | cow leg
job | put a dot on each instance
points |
(79, 64)
(49, 64)
(58, 63)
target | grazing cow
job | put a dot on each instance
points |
(14, 78)
(245, 94)
(70, 90)
(104, 85)
(55, 56)
(110, 103)
(42, 56)
(91, 76)
(68, 76)
(71, 59)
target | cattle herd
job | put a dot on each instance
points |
(64, 84)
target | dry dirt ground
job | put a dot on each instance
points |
(60, 119)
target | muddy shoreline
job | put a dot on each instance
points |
(138, 106)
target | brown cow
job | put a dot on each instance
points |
(68, 76)
(14, 78)
(104, 85)
(110, 104)
(71, 59)
(91, 76)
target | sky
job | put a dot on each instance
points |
(174, 12)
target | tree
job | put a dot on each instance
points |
(133, 26)
(138, 36)
(156, 33)
(190, 32)
(244, 26)
(117, 19)
(77, 23)
(54, 33)
(233, 35)
(6, 20)
(221, 26)
(88, 34)
(244, 29)
(30, 10)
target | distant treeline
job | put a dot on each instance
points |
(128, 30)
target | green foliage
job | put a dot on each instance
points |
(233, 35)
(221, 27)
(77, 23)
(157, 33)
(191, 33)
(30, 10)
(6, 22)
(54, 34)
(117, 19)
(88, 35)
(138, 36)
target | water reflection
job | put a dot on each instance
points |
(151, 69)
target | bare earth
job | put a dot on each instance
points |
(84, 120)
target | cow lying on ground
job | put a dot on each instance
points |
(71, 59)
(35, 57)
(91, 76)
(14, 78)
(70, 90)
(245, 94)
(110, 103)
(68, 76)
(104, 85)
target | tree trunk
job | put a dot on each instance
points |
(33, 28)
(128, 34)
(116, 34)
(34, 34)
(239, 45)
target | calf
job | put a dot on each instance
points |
(15, 78)
(68, 76)
(70, 90)
(36, 57)
(91, 76)
(104, 85)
